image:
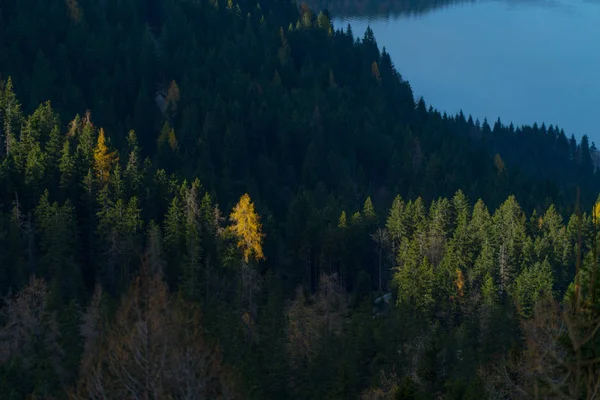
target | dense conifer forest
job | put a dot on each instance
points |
(219, 199)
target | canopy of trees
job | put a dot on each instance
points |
(205, 199)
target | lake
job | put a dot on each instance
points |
(524, 61)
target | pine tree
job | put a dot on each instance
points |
(532, 285)
(416, 285)
(462, 238)
(58, 244)
(585, 155)
(191, 276)
(13, 117)
(70, 339)
(174, 241)
(440, 216)
(342, 222)
(53, 147)
(462, 212)
(356, 219)
(154, 255)
(119, 227)
(381, 239)
(395, 224)
(480, 222)
(85, 132)
(489, 291)
(35, 167)
(133, 170)
(416, 216)
(12, 262)
(369, 212)
(509, 226)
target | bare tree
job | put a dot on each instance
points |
(310, 319)
(27, 321)
(153, 350)
(558, 361)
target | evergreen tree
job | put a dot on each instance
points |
(12, 117)
(369, 212)
(174, 240)
(59, 247)
(133, 170)
(191, 268)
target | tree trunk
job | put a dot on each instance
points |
(380, 251)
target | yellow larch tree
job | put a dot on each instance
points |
(596, 214)
(246, 227)
(103, 158)
(248, 231)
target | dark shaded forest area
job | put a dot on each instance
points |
(205, 199)
(357, 8)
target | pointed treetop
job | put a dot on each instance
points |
(596, 213)
(246, 226)
(375, 71)
(104, 159)
(173, 97)
(369, 210)
(356, 219)
(343, 221)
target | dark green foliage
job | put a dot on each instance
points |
(406, 288)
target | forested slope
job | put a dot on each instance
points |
(259, 104)
(134, 264)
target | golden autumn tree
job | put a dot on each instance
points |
(247, 229)
(248, 232)
(596, 214)
(104, 159)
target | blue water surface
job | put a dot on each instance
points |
(524, 61)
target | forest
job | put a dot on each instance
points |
(209, 199)
(384, 8)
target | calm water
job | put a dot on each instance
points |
(524, 61)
